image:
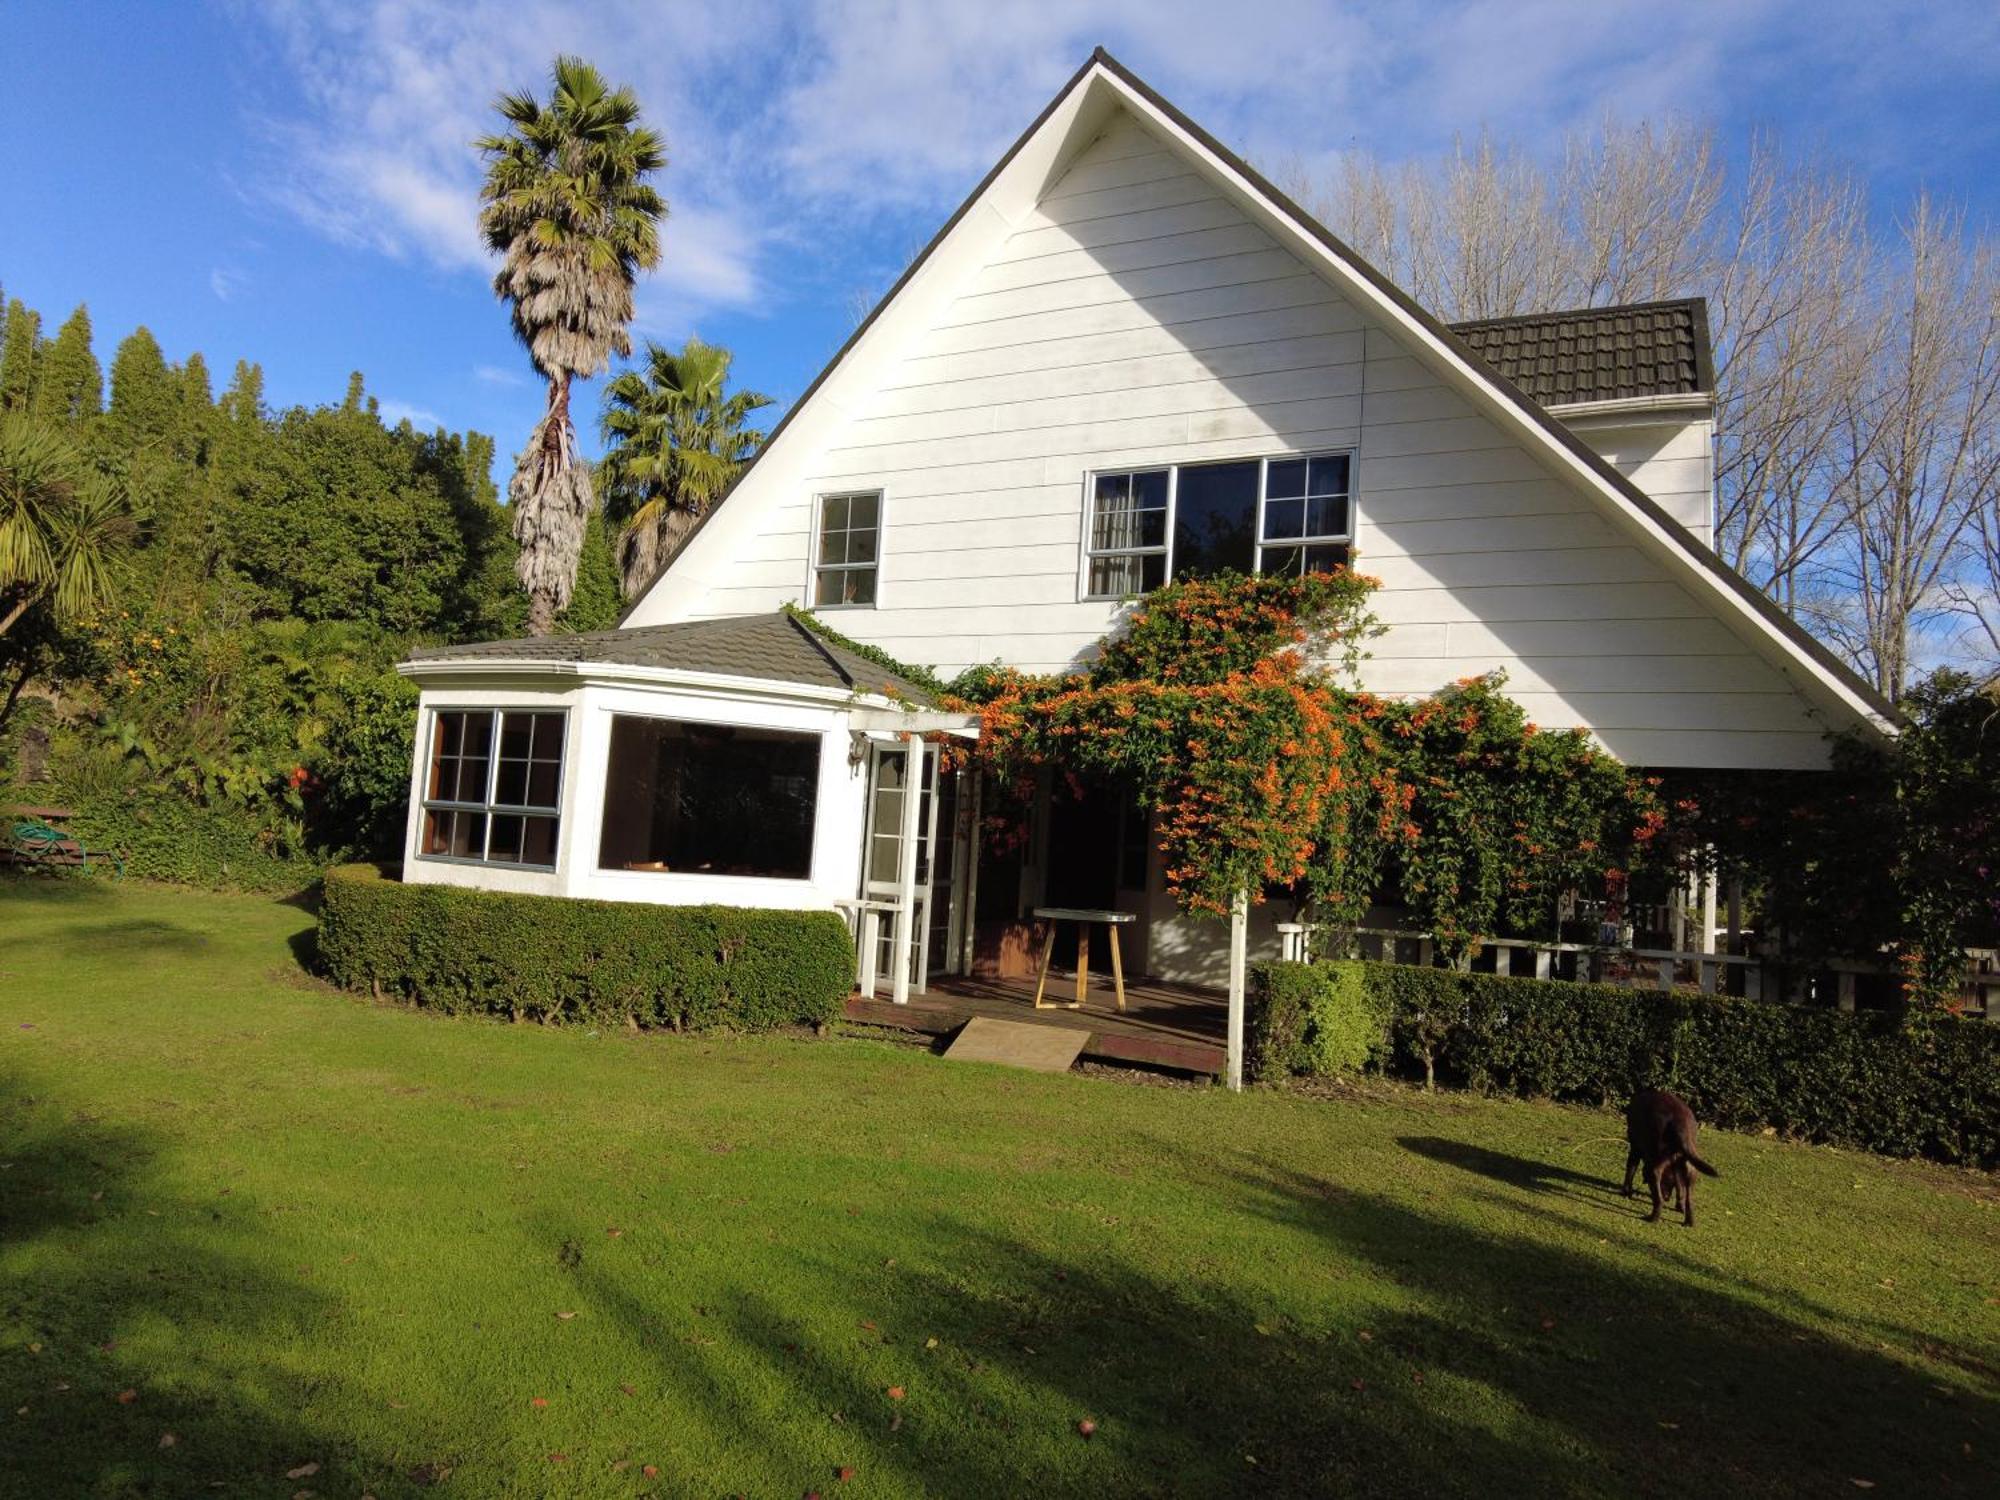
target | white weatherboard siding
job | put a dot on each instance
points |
(1671, 459)
(1134, 316)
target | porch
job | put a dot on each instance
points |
(1166, 1026)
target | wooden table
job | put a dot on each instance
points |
(1083, 917)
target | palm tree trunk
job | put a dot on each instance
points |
(545, 497)
(20, 608)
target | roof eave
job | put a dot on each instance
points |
(437, 670)
(1691, 404)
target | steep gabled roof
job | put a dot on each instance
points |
(772, 648)
(1589, 354)
(1103, 85)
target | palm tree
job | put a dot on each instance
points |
(61, 524)
(568, 208)
(676, 441)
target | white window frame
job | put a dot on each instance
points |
(488, 809)
(1173, 472)
(813, 565)
(1286, 544)
(1092, 554)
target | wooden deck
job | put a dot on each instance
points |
(1162, 1026)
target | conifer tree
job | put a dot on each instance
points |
(69, 384)
(20, 349)
(196, 391)
(355, 386)
(145, 396)
(244, 400)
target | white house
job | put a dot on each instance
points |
(1125, 358)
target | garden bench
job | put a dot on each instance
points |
(34, 839)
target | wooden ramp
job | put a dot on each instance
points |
(1045, 1049)
(1176, 1030)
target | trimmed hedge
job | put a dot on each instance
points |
(1903, 1085)
(596, 962)
(1317, 1019)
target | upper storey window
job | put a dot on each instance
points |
(847, 549)
(1271, 515)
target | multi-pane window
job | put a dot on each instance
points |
(709, 799)
(1308, 515)
(495, 786)
(1128, 533)
(850, 534)
(1277, 515)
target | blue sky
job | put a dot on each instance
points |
(291, 181)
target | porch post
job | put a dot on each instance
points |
(1239, 949)
(969, 916)
(906, 869)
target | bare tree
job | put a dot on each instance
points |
(1923, 437)
(1789, 302)
(1856, 384)
(1624, 214)
(1975, 593)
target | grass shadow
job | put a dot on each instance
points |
(1487, 1361)
(136, 1357)
(1522, 1172)
(137, 937)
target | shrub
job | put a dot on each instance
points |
(596, 962)
(1318, 1019)
(161, 835)
(1902, 1083)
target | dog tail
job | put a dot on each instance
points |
(1681, 1145)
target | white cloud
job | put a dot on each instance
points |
(498, 375)
(793, 123)
(369, 129)
(393, 411)
(225, 283)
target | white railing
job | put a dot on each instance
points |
(1657, 968)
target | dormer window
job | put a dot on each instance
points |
(1275, 515)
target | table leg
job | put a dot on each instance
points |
(1048, 951)
(1082, 963)
(1117, 968)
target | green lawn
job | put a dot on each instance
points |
(300, 1229)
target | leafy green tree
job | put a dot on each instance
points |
(145, 395)
(61, 524)
(345, 520)
(20, 349)
(597, 600)
(569, 208)
(69, 386)
(678, 440)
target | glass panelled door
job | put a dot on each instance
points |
(931, 920)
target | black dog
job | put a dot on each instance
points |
(1660, 1131)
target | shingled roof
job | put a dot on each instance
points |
(1600, 353)
(775, 648)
